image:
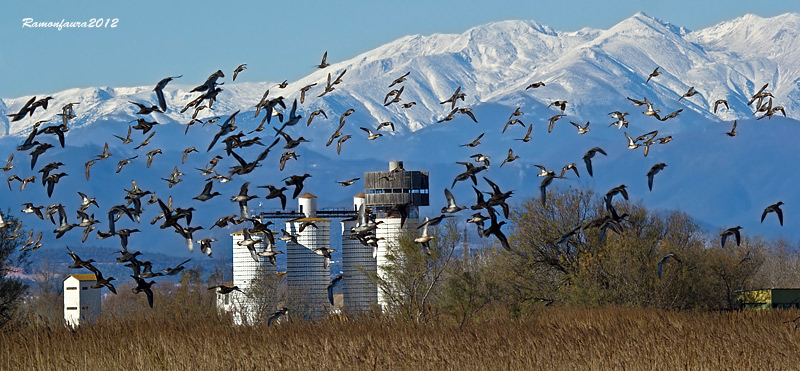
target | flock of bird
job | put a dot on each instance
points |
(179, 218)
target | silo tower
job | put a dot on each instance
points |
(360, 293)
(246, 273)
(308, 274)
(384, 189)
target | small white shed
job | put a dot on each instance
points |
(81, 302)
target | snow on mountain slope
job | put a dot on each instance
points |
(113, 104)
(494, 62)
(719, 180)
(761, 49)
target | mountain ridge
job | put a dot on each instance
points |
(492, 61)
(595, 70)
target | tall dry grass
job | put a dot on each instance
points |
(555, 338)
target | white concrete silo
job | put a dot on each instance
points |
(247, 273)
(308, 275)
(386, 190)
(388, 235)
(359, 291)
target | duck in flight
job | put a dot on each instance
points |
(722, 102)
(527, 137)
(475, 142)
(735, 232)
(239, 69)
(553, 121)
(665, 259)
(535, 85)
(653, 171)
(581, 129)
(587, 158)
(511, 157)
(159, 89)
(690, 93)
(733, 132)
(655, 73)
(774, 208)
(324, 63)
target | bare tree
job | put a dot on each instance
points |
(414, 274)
(12, 289)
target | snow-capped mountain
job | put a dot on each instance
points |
(494, 63)
(715, 178)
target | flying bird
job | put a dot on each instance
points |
(535, 85)
(371, 135)
(689, 93)
(665, 259)
(275, 192)
(774, 208)
(733, 132)
(543, 187)
(335, 282)
(297, 182)
(177, 269)
(277, 315)
(145, 110)
(303, 91)
(587, 158)
(144, 286)
(324, 62)
(424, 239)
(8, 165)
(655, 73)
(527, 137)
(241, 68)
(400, 79)
(510, 157)
(348, 182)
(562, 104)
(206, 194)
(242, 199)
(454, 98)
(653, 171)
(451, 207)
(735, 232)
(720, 101)
(553, 121)
(475, 142)
(512, 122)
(581, 129)
(314, 114)
(494, 229)
(159, 89)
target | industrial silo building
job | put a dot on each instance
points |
(249, 275)
(307, 272)
(360, 293)
(385, 189)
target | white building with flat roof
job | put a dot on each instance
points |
(81, 302)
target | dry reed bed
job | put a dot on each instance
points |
(557, 338)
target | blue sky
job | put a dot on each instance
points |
(278, 40)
